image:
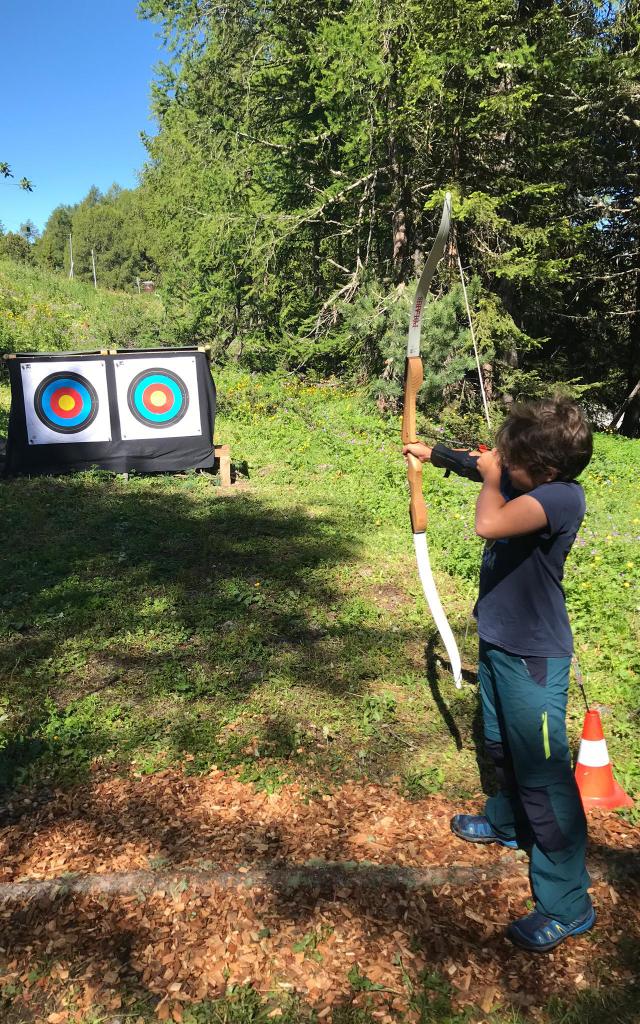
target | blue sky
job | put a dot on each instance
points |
(75, 79)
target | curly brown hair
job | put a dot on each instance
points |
(552, 434)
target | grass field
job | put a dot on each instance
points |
(280, 625)
(45, 312)
(277, 629)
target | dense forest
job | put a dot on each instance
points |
(112, 225)
(299, 167)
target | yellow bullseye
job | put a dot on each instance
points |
(157, 398)
(66, 402)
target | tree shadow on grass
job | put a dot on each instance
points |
(181, 602)
(152, 589)
(149, 574)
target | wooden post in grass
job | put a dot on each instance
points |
(223, 458)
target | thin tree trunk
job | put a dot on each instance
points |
(631, 423)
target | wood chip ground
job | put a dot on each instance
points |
(180, 886)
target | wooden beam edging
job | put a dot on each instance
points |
(327, 879)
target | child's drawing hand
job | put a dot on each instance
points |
(418, 449)
(490, 467)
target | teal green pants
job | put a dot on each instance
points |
(524, 705)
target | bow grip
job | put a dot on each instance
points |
(417, 505)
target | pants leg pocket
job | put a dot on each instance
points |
(538, 669)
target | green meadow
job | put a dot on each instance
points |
(275, 629)
(279, 626)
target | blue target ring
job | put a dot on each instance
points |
(66, 402)
(158, 398)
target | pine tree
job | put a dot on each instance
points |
(304, 151)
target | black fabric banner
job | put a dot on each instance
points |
(150, 410)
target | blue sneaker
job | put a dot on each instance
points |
(539, 933)
(475, 828)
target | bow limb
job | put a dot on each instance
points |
(435, 606)
(413, 380)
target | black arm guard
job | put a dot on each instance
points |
(453, 461)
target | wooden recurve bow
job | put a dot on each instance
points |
(413, 379)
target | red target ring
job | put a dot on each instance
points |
(157, 398)
(66, 402)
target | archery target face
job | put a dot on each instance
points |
(158, 397)
(66, 401)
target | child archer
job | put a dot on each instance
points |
(529, 511)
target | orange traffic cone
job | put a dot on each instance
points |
(594, 774)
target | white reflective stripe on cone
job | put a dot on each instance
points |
(593, 753)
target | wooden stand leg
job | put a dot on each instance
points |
(223, 455)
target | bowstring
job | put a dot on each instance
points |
(473, 339)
